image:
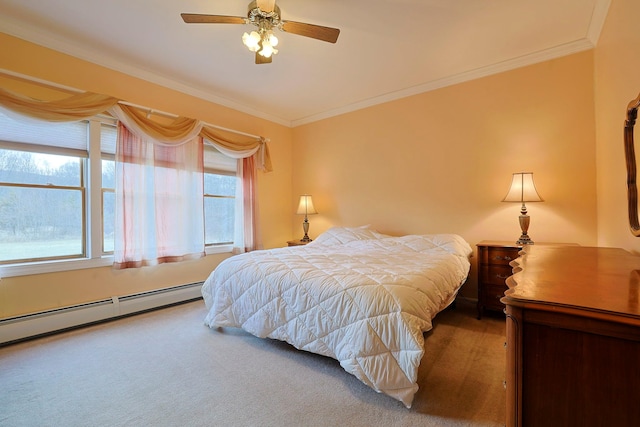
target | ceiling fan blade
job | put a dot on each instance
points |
(263, 60)
(196, 18)
(318, 32)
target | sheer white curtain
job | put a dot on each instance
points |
(159, 201)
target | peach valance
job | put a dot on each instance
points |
(78, 106)
(82, 106)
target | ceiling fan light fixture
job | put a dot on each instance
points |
(262, 41)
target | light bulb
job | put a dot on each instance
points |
(246, 39)
(267, 50)
(273, 40)
(252, 41)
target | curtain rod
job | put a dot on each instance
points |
(69, 89)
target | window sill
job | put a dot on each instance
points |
(222, 249)
(54, 266)
(27, 269)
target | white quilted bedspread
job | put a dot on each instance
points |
(363, 300)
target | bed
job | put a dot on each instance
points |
(355, 295)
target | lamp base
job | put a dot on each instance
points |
(524, 240)
(305, 228)
(524, 227)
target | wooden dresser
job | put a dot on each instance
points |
(573, 337)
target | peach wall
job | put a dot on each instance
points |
(19, 295)
(617, 71)
(442, 161)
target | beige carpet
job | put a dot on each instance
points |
(164, 368)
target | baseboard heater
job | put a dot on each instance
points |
(30, 325)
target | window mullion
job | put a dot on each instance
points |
(94, 186)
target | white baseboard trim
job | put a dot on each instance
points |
(34, 324)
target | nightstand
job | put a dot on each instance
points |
(297, 243)
(493, 269)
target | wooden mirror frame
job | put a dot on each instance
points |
(629, 151)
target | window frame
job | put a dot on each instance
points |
(213, 164)
(82, 189)
(213, 171)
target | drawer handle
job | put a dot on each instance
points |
(502, 258)
(500, 276)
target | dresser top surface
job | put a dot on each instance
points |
(513, 245)
(499, 244)
(591, 278)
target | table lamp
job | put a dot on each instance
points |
(305, 207)
(522, 190)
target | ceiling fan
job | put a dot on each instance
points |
(265, 15)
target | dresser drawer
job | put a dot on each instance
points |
(491, 295)
(499, 256)
(495, 274)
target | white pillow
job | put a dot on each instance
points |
(451, 243)
(341, 235)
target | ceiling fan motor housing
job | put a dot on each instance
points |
(256, 15)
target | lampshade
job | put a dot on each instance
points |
(251, 41)
(522, 189)
(305, 206)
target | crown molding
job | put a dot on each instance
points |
(533, 58)
(598, 18)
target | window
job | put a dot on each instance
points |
(219, 197)
(42, 190)
(57, 195)
(41, 206)
(219, 208)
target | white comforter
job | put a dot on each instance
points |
(357, 296)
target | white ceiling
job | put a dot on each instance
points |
(386, 49)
